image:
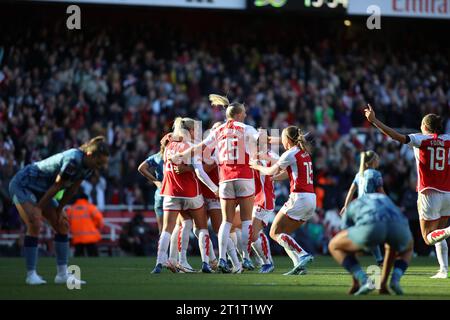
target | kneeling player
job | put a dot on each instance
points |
(370, 221)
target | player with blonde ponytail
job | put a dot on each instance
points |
(367, 180)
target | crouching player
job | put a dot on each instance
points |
(33, 190)
(369, 221)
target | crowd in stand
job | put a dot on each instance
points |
(57, 91)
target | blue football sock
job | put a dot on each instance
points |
(30, 250)
(400, 267)
(62, 249)
(377, 254)
(351, 265)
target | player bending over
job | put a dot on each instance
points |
(367, 180)
(32, 190)
(369, 221)
(431, 150)
(297, 165)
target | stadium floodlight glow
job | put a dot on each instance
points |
(347, 23)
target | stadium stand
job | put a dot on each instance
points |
(128, 82)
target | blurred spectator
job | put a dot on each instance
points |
(136, 237)
(95, 189)
(85, 222)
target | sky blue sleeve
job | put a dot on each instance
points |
(355, 181)
(151, 161)
(378, 180)
(69, 167)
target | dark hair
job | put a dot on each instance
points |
(433, 123)
(97, 146)
(296, 135)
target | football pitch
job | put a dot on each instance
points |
(130, 278)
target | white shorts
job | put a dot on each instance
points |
(212, 204)
(237, 189)
(300, 206)
(432, 205)
(182, 204)
(262, 214)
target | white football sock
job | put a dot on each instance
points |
(231, 250)
(246, 239)
(163, 245)
(212, 254)
(204, 244)
(224, 234)
(257, 246)
(233, 237)
(174, 243)
(239, 248)
(183, 240)
(442, 255)
(266, 245)
(291, 247)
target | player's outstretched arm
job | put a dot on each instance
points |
(283, 175)
(370, 115)
(267, 171)
(348, 198)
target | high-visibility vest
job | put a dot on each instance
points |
(85, 222)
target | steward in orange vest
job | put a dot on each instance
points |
(85, 224)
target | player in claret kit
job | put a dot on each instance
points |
(264, 206)
(296, 164)
(236, 145)
(33, 189)
(182, 195)
(432, 151)
(367, 180)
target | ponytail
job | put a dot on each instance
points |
(97, 146)
(181, 125)
(232, 109)
(296, 135)
(365, 159)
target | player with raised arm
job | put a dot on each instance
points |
(367, 180)
(296, 164)
(236, 145)
(432, 153)
(369, 221)
(182, 194)
(33, 189)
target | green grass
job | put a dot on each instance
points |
(130, 278)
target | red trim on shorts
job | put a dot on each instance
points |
(246, 196)
(292, 218)
(195, 209)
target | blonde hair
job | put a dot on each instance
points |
(97, 146)
(296, 135)
(367, 157)
(181, 125)
(232, 109)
